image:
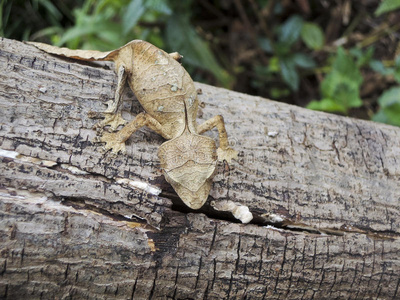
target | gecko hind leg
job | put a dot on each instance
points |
(116, 140)
(224, 152)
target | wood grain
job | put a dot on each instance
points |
(323, 189)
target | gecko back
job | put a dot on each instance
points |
(163, 87)
(160, 83)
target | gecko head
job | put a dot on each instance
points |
(188, 164)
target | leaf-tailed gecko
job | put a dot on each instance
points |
(168, 95)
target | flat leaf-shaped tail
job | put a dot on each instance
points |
(89, 55)
(189, 163)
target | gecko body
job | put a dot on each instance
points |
(169, 98)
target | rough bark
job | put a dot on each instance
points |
(323, 190)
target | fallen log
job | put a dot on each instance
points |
(76, 222)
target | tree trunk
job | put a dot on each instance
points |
(77, 222)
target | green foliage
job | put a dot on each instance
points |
(196, 52)
(287, 35)
(362, 58)
(389, 101)
(30, 17)
(340, 88)
(105, 25)
(91, 31)
(389, 111)
(312, 35)
(181, 36)
(394, 71)
(289, 32)
(132, 15)
(387, 6)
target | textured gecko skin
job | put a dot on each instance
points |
(169, 98)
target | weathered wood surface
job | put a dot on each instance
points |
(70, 230)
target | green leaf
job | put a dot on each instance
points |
(51, 11)
(397, 75)
(387, 6)
(304, 61)
(289, 72)
(312, 35)
(380, 117)
(76, 32)
(392, 114)
(290, 30)
(48, 31)
(90, 29)
(328, 105)
(160, 6)
(341, 86)
(363, 58)
(347, 94)
(273, 64)
(390, 97)
(109, 36)
(345, 65)
(132, 15)
(288, 68)
(182, 37)
(389, 111)
(389, 115)
(265, 44)
(379, 67)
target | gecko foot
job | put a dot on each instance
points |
(112, 120)
(227, 154)
(112, 143)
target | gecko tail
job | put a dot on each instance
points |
(89, 55)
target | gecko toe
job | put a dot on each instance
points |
(227, 154)
(112, 143)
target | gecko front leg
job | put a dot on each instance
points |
(116, 140)
(224, 152)
(112, 115)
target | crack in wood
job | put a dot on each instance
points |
(209, 211)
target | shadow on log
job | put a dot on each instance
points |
(77, 222)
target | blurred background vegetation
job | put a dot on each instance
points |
(339, 56)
